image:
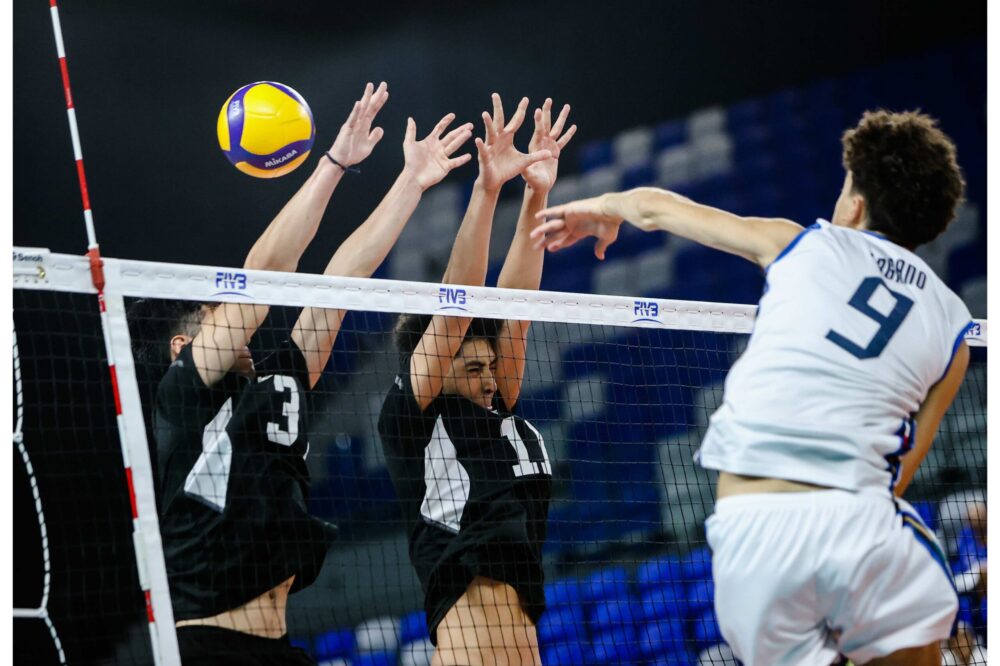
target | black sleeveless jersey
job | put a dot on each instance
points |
(234, 484)
(474, 485)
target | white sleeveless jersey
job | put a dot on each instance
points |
(851, 333)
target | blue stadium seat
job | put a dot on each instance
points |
(612, 613)
(927, 512)
(660, 570)
(614, 647)
(575, 280)
(663, 636)
(565, 654)
(667, 601)
(745, 113)
(583, 520)
(337, 644)
(596, 154)
(303, 643)
(965, 263)
(413, 627)
(560, 624)
(706, 630)
(610, 583)
(698, 565)
(669, 134)
(541, 406)
(701, 595)
(564, 592)
(638, 175)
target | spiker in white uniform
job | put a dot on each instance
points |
(851, 333)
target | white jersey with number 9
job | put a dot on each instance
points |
(851, 333)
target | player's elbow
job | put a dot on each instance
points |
(268, 261)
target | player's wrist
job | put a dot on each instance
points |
(340, 162)
(486, 187)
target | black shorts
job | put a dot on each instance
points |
(214, 646)
(514, 564)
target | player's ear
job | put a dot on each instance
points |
(177, 344)
(858, 211)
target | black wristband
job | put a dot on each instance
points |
(345, 168)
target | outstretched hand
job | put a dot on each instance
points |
(499, 160)
(429, 160)
(356, 138)
(562, 226)
(541, 176)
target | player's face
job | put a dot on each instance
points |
(472, 373)
(849, 210)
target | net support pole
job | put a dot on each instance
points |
(131, 428)
(139, 475)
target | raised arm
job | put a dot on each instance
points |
(938, 400)
(228, 328)
(522, 269)
(499, 161)
(426, 163)
(756, 239)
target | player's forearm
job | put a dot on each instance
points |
(470, 253)
(652, 209)
(522, 269)
(365, 249)
(281, 245)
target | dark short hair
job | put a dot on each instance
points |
(410, 328)
(905, 168)
(154, 321)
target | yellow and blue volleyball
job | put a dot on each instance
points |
(266, 129)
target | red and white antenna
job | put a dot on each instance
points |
(97, 276)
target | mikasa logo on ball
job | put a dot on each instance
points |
(283, 158)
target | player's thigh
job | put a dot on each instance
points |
(928, 655)
(487, 626)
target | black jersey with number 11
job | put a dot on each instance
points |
(474, 485)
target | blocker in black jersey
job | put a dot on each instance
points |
(474, 485)
(234, 484)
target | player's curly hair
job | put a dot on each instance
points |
(153, 321)
(410, 328)
(905, 168)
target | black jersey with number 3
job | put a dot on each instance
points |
(474, 485)
(234, 484)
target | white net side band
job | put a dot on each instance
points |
(62, 272)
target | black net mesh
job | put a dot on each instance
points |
(253, 474)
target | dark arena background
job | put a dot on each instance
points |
(740, 105)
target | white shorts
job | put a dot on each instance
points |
(803, 576)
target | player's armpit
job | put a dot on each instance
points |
(939, 399)
(773, 236)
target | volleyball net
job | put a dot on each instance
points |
(619, 390)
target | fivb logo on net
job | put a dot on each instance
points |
(231, 283)
(646, 311)
(451, 298)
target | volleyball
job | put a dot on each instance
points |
(266, 129)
